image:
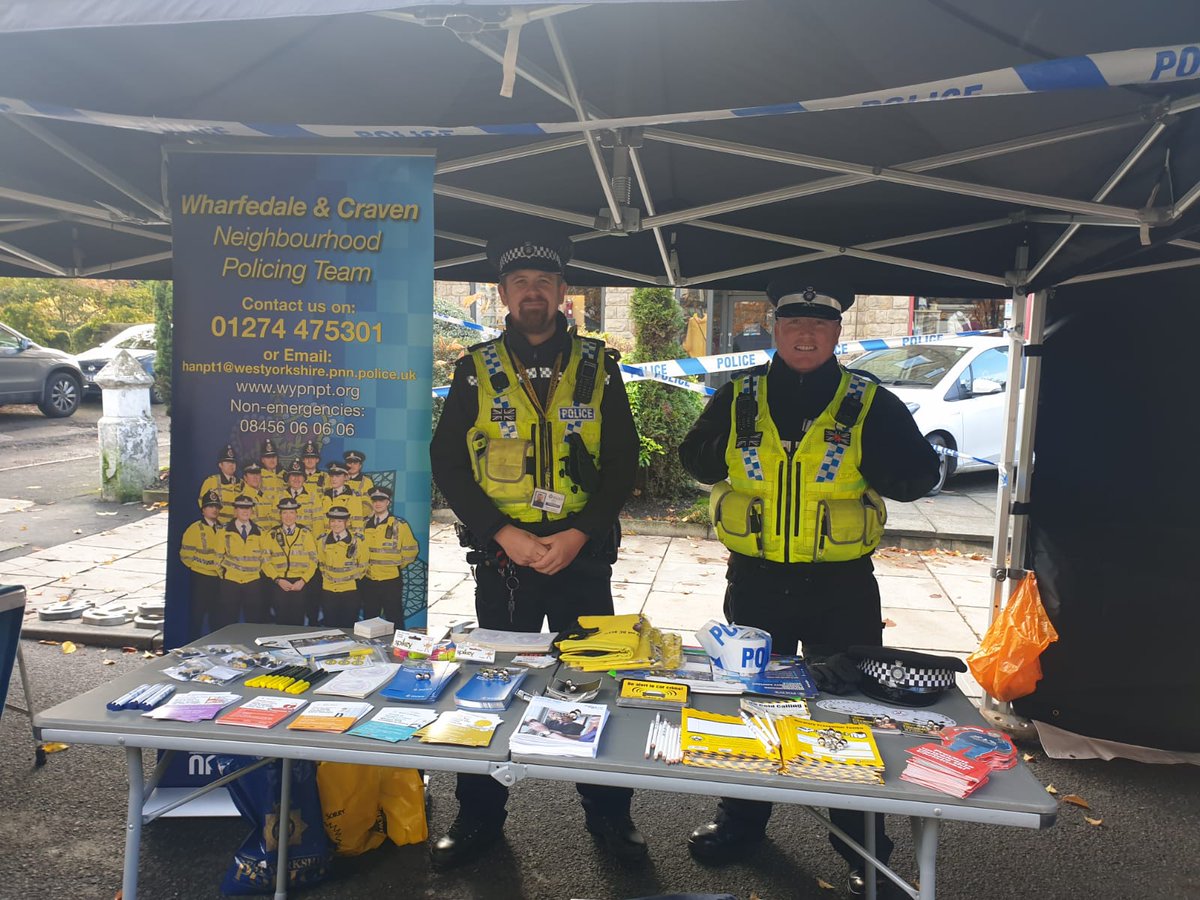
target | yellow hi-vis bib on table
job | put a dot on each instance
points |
(812, 505)
(514, 448)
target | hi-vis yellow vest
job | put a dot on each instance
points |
(513, 449)
(810, 506)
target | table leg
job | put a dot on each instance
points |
(925, 836)
(284, 830)
(869, 859)
(133, 822)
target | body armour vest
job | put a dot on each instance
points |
(517, 448)
(807, 504)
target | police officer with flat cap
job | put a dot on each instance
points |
(536, 452)
(799, 452)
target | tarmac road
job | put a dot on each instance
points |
(63, 825)
(52, 466)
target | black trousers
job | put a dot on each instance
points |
(582, 589)
(341, 607)
(383, 598)
(312, 600)
(826, 607)
(239, 602)
(206, 596)
(288, 606)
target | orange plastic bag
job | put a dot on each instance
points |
(1006, 664)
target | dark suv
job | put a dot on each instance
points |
(33, 374)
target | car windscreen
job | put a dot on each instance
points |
(920, 366)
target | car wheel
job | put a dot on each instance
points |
(61, 396)
(946, 468)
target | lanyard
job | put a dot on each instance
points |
(527, 383)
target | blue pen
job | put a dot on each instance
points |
(129, 700)
(156, 696)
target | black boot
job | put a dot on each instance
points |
(723, 841)
(618, 834)
(466, 840)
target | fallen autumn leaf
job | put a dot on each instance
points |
(1076, 800)
(1051, 789)
(1092, 821)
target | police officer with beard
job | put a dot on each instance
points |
(536, 452)
(799, 453)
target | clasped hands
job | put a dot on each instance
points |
(548, 555)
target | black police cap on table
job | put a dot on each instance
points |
(793, 298)
(543, 250)
(905, 677)
(380, 493)
(288, 503)
(338, 512)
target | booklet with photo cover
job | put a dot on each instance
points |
(560, 728)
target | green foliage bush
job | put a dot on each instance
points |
(164, 310)
(663, 414)
(449, 343)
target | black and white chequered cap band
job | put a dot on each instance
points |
(526, 252)
(898, 675)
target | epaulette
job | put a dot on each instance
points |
(481, 345)
(760, 371)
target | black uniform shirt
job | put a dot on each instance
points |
(451, 461)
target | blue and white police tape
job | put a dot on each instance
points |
(632, 372)
(1145, 65)
(485, 330)
(946, 451)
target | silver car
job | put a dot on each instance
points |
(30, 373)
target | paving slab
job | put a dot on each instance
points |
(965, 590)
(931, 630)
(905, 592)
(687, 613)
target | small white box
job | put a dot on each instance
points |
(373, 628)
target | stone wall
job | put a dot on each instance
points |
(615, 316)
(876, 316)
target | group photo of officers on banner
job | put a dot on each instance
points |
(536, 452)
(304, 545)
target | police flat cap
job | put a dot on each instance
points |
(338, 512)
(792, 298)
(545, 251)
(905, 677)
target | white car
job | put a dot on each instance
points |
(955, 390)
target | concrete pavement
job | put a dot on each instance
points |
(934, 600)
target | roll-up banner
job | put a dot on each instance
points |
(303, 334)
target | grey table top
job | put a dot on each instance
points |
(1010, 797)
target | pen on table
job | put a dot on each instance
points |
(156, 696)
(650, 737)
(126, 699)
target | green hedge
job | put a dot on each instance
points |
(663, 414)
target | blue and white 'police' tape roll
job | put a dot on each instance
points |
(1145, 65)
(737, 649)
